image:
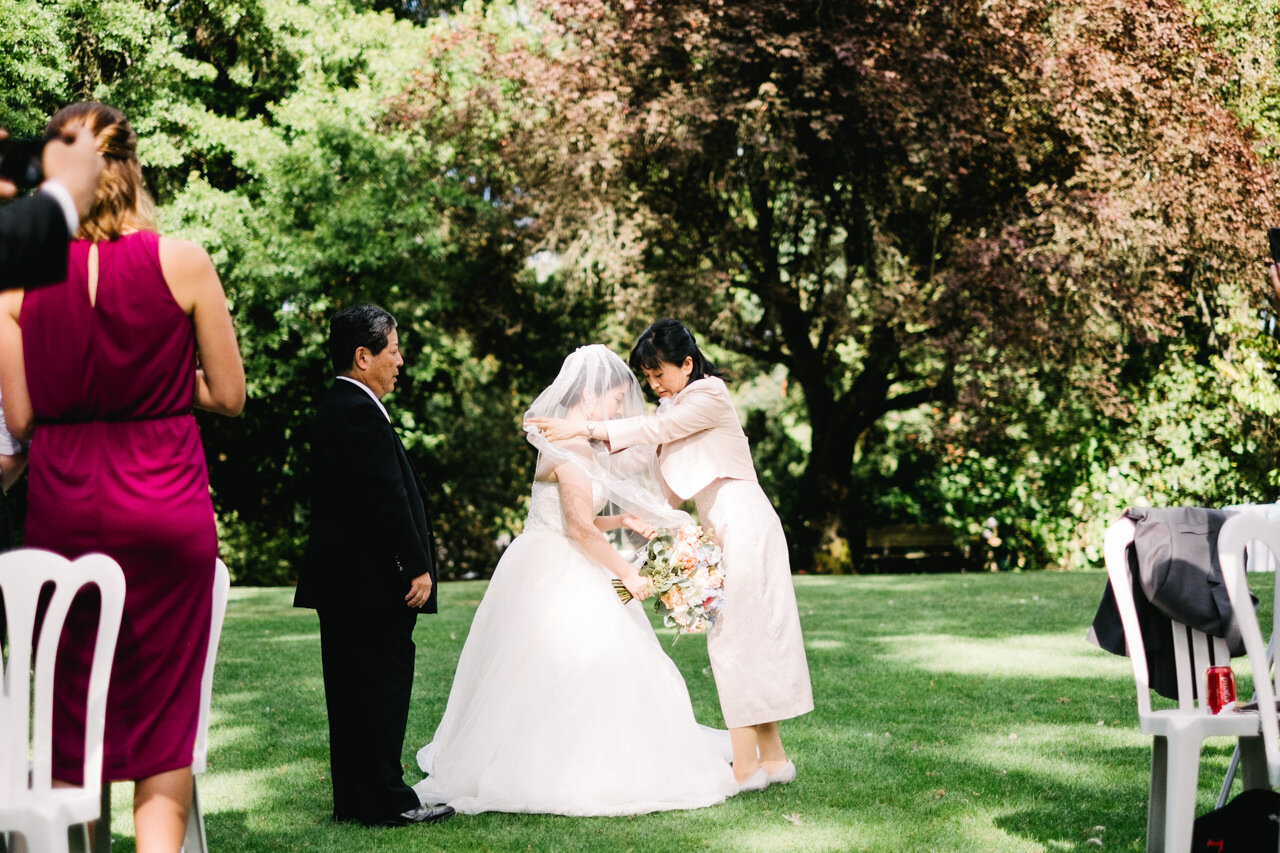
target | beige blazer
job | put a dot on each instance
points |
(700, 439)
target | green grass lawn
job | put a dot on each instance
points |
(954, 713)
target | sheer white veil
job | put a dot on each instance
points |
(594, 383)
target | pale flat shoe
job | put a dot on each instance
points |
(785, 775)
(757, 781)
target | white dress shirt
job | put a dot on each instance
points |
(369, 391)
(62, 195)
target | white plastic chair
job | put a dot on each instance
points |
(1264, 561)
(1237, 536)
(29, 805)
(195, 839)
(1177, 733)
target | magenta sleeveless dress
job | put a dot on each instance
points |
(116, 466)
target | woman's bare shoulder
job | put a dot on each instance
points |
(183, 256)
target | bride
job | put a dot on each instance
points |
(564, 701)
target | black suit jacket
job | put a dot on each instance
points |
(33, 242)
(369, 533)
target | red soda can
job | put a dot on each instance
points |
(1221, 687)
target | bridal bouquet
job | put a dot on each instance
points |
(684, 566)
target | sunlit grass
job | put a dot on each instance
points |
(954, 713)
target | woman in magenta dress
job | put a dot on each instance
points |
(101, 372)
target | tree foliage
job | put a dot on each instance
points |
(261, 130)
(955, 205)
(966, 260)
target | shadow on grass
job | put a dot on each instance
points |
(982, 694)
(961, 712)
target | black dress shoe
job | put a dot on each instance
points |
(424, 814)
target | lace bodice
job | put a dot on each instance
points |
(546, 512)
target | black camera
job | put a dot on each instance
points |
(1273, 237)
(20, 161)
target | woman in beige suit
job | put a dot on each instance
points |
(756, 650)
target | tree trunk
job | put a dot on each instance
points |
(830, 513)
(826, 500)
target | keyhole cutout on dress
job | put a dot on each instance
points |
(93, 274)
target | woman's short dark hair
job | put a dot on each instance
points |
(357, 326)
(669, 341)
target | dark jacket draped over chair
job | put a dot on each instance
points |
(1174, 562)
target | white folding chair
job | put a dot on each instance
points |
(1237, 536)
(195, 839)
(1177, 733)
(45, 816)
(1264, 560)
(1258, 558)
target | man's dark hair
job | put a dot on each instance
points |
(358, 326)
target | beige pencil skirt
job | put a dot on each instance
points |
(756, 650)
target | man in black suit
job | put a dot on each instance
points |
(369, 570)
(34, 231)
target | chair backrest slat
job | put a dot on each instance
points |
(55, 617)
(25, 700)
(221, 590)
(1258, 535)
(1182, 650)
(1119, 536)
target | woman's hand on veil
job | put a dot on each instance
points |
(557, 429)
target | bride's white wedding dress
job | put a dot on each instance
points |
(564, 701)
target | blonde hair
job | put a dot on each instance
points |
(121, 202)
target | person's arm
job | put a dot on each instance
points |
(8, 189)
(11, 467)
(579, 519)
(13, 456)
(33, 242)
(34, 231)
(700, 408)
(18, 415)
(627, 520)
(220, 385)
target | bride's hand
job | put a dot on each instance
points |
(640, 588)
(556, 429)
(639, 525)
